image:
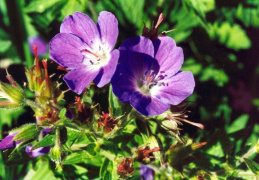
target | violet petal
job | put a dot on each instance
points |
(123, 85)
(46, 131)
(82, 26)
(146, 172)
(37, 152)
(169, 56)
(8, 143)
(77, 80)
(148, 105)
(179, 87)
(107, 71)
(108, 28)
(66, 50)
(138, 44)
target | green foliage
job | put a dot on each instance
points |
(253, 166)
(233, 36)
(238, 124)
(27, 132)
(218, 75)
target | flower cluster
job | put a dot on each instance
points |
(148, 75)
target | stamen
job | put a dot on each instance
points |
(85, 50)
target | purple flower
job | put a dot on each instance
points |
(8, 143)
(37, 152)
(42, 46)
(86, 49)
(146, 173)
(148, 75)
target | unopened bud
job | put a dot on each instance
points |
(55, 154)
(14, 96)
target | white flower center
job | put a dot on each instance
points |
(98, 55)
(149, 80)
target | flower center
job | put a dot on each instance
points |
(97, 55)
(149, 80)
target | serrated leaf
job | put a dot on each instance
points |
(253, 166)
(232, 36)
(28, 132)
(48, 140)
(77, 157)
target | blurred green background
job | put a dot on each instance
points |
(221, 47)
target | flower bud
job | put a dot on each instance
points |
(55, 154)
(14, 95)
(125, 168)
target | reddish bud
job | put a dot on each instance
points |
(160, 19)
(145, 154)
(125, 168)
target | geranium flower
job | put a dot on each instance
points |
(86, 49)
(148, 75)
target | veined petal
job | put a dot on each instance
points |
(78, 79)
(137, 63)
(108, 28)
(138, 44)
(82, 26)
(123, 83)
(65, 49)
(106, 73)
(169, 56)
(176, 88)
(147, 105)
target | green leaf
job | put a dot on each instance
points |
(72, 6)
(253, 166)
(233, 36)
(192, 65)
(28, 132)
(43, 172)
(4, 45)
(133, 11)
(106, 169)
(248, 14)
(40, 5)
(218, 75)
(115, 104)
(48, 140)
(77, 157)
(9, 117)
(18, 157)
(238, 124)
